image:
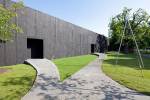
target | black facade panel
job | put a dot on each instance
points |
(60, 38)
(67, 30)
(83, 43)
(89, 39)
(2, 54)
(21, 49)
(30, 15)
(59, 49)
(10, 56)
(76, 41)
(50, 39)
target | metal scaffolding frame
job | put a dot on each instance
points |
(140, 60)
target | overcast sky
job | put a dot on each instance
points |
(91, 14)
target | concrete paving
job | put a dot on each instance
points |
(90, 83)
(47, 73)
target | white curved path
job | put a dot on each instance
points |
(46, 72)
(90, 83)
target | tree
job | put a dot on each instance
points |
(7, 27)
(139, 21)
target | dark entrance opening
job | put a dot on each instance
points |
(93, 48)
(35, 46)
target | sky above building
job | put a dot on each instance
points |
(94, 15)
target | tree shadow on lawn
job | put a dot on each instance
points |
(18, 87)
(130, 55)
(14, 95)
(132, 62)
(76, 89)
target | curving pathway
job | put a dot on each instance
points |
(46, 72)
(90, 83)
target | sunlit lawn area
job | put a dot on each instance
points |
(127, 71)
(70, 65)
(16, 81)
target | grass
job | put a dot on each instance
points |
(16, 82)
(145, 51)
(70, 65)
(127, 71)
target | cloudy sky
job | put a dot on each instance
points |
(90, 14)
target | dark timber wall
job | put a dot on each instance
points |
(60, 38)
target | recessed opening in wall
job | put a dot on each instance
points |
(35, 48)
(93, 48)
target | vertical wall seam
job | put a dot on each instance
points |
(72, 42)
(55, 36)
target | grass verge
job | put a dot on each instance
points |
(127, 71)
(16, 82)
(70, 65)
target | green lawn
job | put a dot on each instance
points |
(70, 65)
(16, 82)
(127, 71)
(19, 79)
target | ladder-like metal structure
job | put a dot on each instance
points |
(140, 60)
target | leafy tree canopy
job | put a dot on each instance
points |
(7, 27)
(139, 21)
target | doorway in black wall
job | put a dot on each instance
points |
(93, 48)
(36, 47)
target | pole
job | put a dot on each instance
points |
(121, 42)
(141, 64)
(137, 47)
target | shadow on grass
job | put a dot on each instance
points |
(146, 93)
(15, 95)
(25, 80)
(21, 84)
(127, 60)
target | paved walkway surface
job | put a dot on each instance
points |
(87, 84)
(47, 73)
